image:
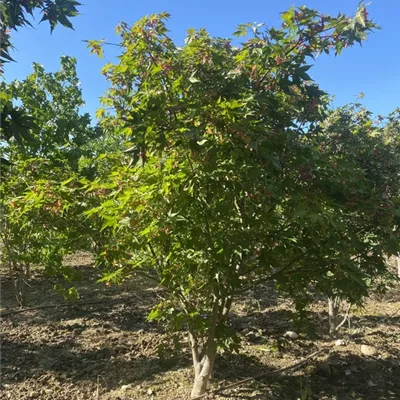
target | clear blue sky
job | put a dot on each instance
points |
(373, 69)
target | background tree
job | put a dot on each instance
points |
(14, 15)
(40, 212)
(233, 180)
(365, 188)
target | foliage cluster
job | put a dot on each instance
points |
(14, 14)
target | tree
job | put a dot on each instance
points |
(40, 202)
(227, 184)
(13, 15)
(366, 187)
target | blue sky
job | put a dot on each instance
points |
(373, 69)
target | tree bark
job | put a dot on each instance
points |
(333, 309)
(20, 282)
(203, 374)
(204, 358)
(398, 265)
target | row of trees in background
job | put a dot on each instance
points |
(214, 168)
(41, 219)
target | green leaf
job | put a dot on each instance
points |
(4, 55)
(65, 21)
(131, 149)
(192, 79)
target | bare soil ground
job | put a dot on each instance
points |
(107, 350)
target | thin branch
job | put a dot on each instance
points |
(145, 275)
(346, 317)
(214, 321)
(194, 345)
(271, 276)
(227, 308)
(155, 257)
(265, 374)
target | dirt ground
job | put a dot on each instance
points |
(105, 349)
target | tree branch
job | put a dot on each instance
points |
(346, 317)
(271, 276)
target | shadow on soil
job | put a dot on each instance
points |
(117, 363)
(113, 340)
(344, 377)
(118, 306)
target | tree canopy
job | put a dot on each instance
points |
(239, 173)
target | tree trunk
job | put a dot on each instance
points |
(333, 310)
(204, 356)
(19, 272)
(20, 276)
(398, 265)
(203, 373)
